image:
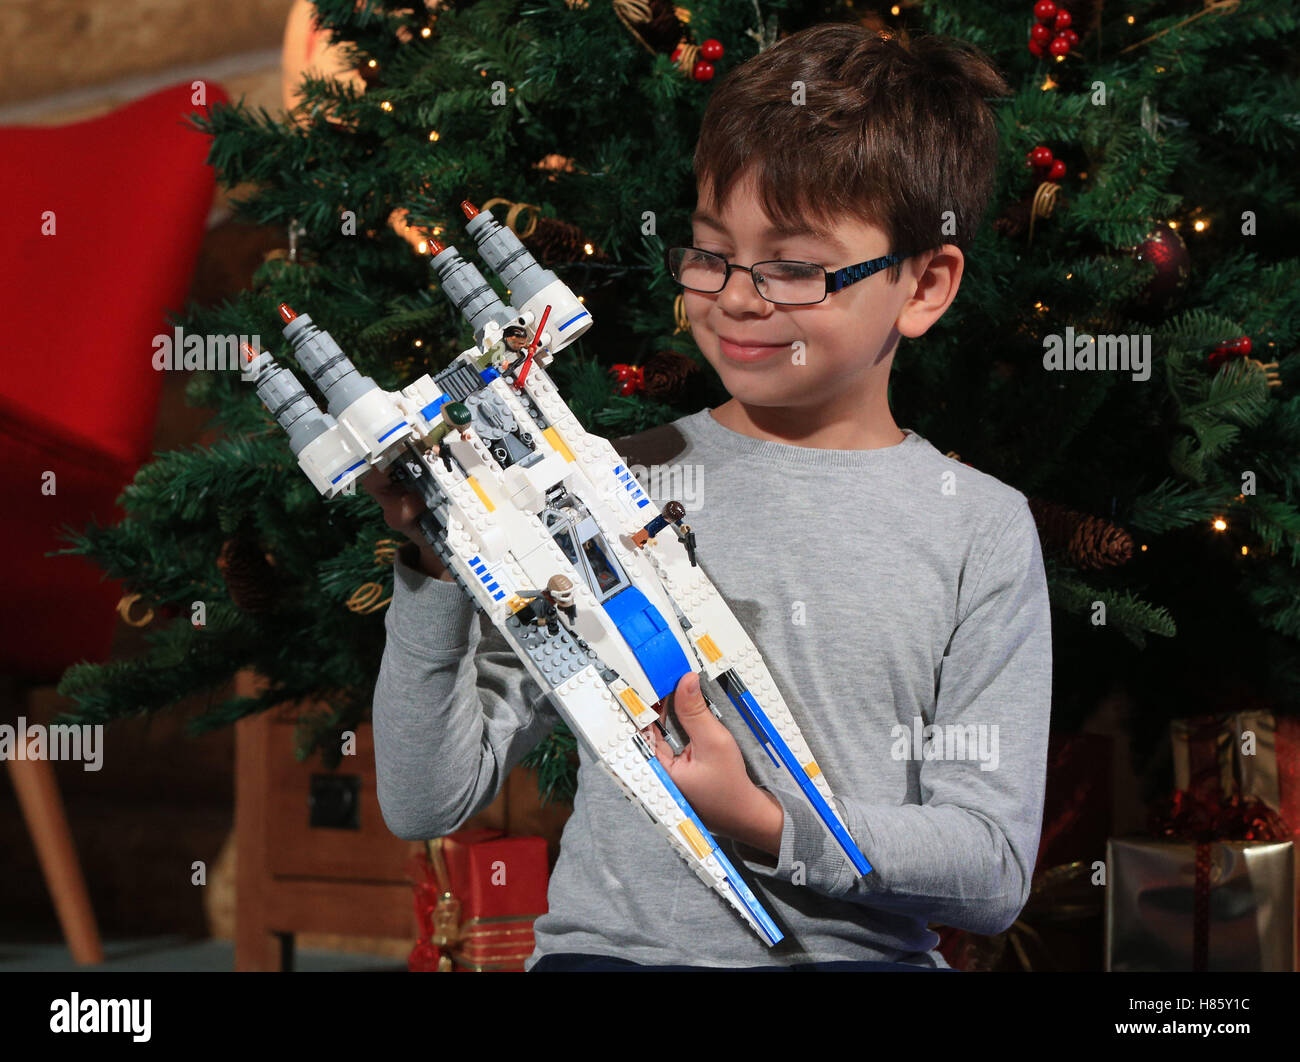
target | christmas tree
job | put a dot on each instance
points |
(1143, 209)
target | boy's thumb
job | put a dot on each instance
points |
(689, 701)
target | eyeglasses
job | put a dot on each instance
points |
(783, 283)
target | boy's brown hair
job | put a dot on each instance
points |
(892, 133)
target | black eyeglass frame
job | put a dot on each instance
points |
(836, 280)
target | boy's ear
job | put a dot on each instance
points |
(934, 277)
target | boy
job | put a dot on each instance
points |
(888, 588)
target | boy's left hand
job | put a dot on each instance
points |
(711, 775)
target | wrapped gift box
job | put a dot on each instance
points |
(477, 893)
(1239, 915)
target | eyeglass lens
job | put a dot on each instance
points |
(784, 282)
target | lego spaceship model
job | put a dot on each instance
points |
(551, 536)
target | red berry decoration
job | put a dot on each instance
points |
(1044, 9)
(1057, 171)
(702, 71)
(712, 50)
(1040, 33)
(1036, 48)
(1059, 46)
(1243, 345)
(1072, 37)
(1063, 21)
(1041, 156)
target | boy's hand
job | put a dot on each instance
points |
(402, 509)
(711, 775)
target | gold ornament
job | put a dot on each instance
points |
(634, 11)
(365, 598)
(512, 215)
(687, 56)
(1044, 204)
(124, 607)
(386, 549)
(679, 314)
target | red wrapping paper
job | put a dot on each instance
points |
(499, 887)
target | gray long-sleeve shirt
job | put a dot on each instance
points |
(888, 591)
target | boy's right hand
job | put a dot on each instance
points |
(402, 509)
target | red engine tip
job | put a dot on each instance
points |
(286, 314)
(435, 248)
(249, 352)
(471, 211)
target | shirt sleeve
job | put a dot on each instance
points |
(965, 855)
(454, 708)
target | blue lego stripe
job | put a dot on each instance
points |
(618, 469)
(347, 470)
(576, 317)
(489, 374)
(623, 477)
(814, 796)
(428, 411)
(480, 568)
(474, 560)
(642, 502)
(493, 585)
(736, 882)
(498, 595)
(649, 638)
(395, 427)
(749, 722)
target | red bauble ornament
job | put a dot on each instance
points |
(1072, 37)
(1041, 156)
(703, 71)
(1044, 9)
(711, 50)
(1244, 345)
(1059, 46)
(1165, 248)
(1057, 171)
(1040, 33)
(1036, 48)
(1063, 21)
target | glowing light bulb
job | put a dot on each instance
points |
(386, 106)
(434, 135)
(1220, 524)
(588, 248)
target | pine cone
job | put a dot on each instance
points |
(249, 575)
(1089, 541)
(668, 375)
(664, 30)
(1015, 219)
(554, 241)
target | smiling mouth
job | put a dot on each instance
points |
(748, 351)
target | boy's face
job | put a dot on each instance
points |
(830, 355)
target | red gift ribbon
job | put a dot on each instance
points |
(1193, 816)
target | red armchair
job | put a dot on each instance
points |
(103, 223)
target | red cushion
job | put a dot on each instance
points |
(130, 193)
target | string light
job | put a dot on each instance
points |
(422, 246)
(1200, 224)
(1068, 275)
(434, 135)
(1129, 19)
(1220, 524)
(386, 106)
(895, 10)
(1048, 83)
(588, 248)
(419, 342)
(426, 32)
(1144, 547)
(1172, 224)
(1244, 551)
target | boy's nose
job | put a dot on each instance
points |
(739, 292)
